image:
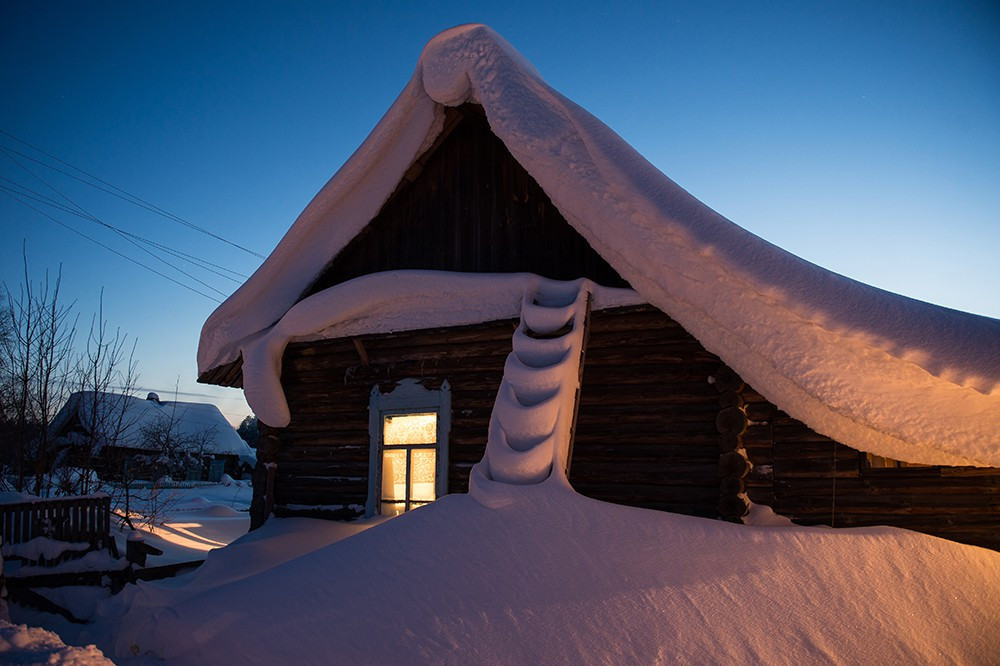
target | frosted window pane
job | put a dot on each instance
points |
(423, 464)
(409, 429)
(394, 474)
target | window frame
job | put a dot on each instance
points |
(409, 396)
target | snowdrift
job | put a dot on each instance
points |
(554, 577)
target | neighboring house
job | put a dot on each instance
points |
(108, 430)
(714, 369)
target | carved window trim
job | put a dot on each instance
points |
(409, 396)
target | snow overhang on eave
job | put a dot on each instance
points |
(388, 302)
(874, 370)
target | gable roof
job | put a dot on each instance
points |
(875, 370)
(128, 416)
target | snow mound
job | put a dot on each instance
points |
(554, 577)
(877, 371)
(21, 644)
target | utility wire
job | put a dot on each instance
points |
(204, 264)
(74, 204)
(120, 193)
(110, 249)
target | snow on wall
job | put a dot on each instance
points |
(529, 432)
(383, 303)
(874, 370)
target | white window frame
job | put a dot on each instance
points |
(408, 397)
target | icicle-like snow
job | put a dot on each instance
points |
(529, 432)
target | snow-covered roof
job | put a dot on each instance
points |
(121, 420)
(875, 370)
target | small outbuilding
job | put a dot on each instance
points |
(663, 357)
(105, 431)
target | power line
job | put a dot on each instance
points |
(120, 193)
(41, 198)
(112, 250)
(95, 218)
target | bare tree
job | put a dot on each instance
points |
(171, 450)
(105, 374)
(37, 344)
(178, 448)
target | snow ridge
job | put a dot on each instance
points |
(529, 430)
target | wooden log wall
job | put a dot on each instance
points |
(814, 480)
(652, 431)
(646, 431)
(322, 456)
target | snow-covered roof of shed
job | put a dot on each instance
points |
(126, 417)
(872, 369)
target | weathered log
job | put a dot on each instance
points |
(733, 507)
(731, 485)
(733, 463)
(725, 379)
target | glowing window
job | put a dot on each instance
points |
(409, 429)
(409, 454)
(409, 461)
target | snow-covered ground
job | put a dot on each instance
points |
(197, 519)
(554, 577)
(21, 644)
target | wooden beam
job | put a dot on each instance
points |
(360, 347)
(579, 384)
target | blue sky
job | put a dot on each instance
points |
(864, 136)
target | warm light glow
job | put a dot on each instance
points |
(400, 429)
(394, 474)
(409, 461)
(181, 535)
(422, 467)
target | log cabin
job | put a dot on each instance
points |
(105, 431)
(662, 356)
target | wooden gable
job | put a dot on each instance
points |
(468, 205)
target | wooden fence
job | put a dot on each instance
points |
(70, 519)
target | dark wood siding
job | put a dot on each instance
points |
(646, 431)
(323, 454)
(470, 207)
(814, 480)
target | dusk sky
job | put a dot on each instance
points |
(862, 136)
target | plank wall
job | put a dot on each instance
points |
(468, 205)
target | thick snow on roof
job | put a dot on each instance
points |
(386, 302)
(553, 577)
(874, 370)
(136, 415)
